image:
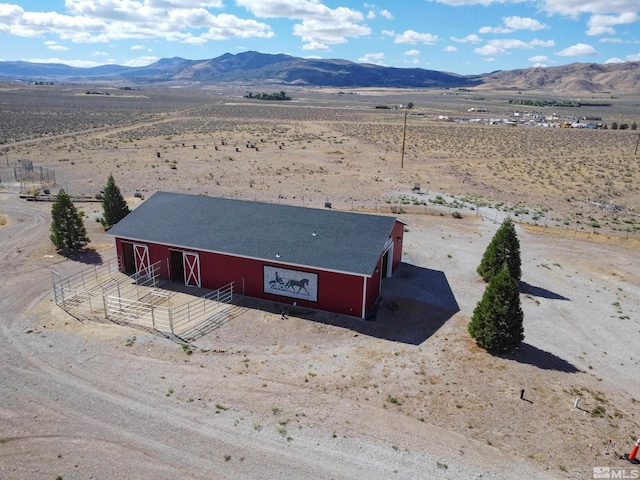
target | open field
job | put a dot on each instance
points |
(308, 150)
(315, 395)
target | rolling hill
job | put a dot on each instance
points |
(254, 68)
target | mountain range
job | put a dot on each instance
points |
(254, 68)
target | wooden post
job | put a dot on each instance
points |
(404, 137)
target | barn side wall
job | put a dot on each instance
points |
(337, 292)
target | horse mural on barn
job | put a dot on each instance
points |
(290, 285)
(301, 284)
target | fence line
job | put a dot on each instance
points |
(103, 291)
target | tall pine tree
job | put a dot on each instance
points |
(113, 203)
(497, 321)
(68, 232)
(504, 248)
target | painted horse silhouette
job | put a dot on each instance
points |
(301, 284)
(280, 284)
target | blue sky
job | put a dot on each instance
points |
(460, 36)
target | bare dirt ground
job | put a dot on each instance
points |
(315, 395)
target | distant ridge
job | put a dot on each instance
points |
(254, 68)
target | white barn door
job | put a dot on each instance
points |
(191, 263)
(141, 256)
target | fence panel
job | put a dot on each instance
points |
(140, 313)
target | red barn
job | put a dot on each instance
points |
(322, 259)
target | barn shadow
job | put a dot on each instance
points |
(527, 288)
(413, 305)
(531, 355)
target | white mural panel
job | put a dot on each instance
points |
(290, 283)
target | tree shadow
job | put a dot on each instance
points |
(85, 255)
(540, 292)
(531, 355)
(414, 304)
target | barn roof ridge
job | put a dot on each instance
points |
(285, 234)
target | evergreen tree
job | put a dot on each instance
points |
(113, 203)
(504, 247)
(67, 227)
(497, 321)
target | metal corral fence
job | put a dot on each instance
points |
(103, 292)
(29, 177)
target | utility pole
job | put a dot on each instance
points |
(404, 137)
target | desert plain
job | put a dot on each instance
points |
(309, 394)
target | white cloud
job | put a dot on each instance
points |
(485, 30)
(51, 45)
(312, 31)
(376, 58)
(141, 61)
(603, 24)
(633, 58)
(72, 63)
(386, 14)
(542, 43)
(473, 38)
(524, 23)
(315, 46)
(578, 50)
(319, 23)
(412, 53)
(412, 37)
(450, 49)
(538, 58)
(539, 65)
(461, 3)
(502, 46)
(102, 21)
(573, 8)
(511, 24)
(615, 60)
(100, 54)
(138, 47)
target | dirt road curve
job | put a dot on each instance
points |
(74, 407)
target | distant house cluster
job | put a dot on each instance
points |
(533, 119)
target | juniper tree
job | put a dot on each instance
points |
(497, 321)
(68, 232)
(113, 203)
(504, 247)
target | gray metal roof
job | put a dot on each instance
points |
(343, 241)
